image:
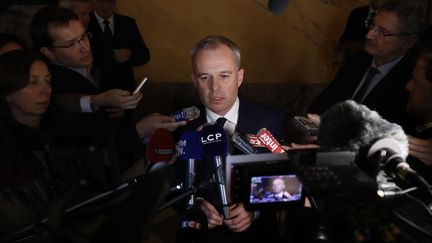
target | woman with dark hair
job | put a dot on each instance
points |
(25, 183)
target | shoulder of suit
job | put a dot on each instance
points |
(123, 17)
(258, 106)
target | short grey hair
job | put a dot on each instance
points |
(412, 18)
(212, 42)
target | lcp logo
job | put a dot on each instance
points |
(211, 138)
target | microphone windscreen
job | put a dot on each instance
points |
(189, 146)
(214, 141)
(161, 146)
(277, 6)
(186, 114)
(192, 225)
(355, 127)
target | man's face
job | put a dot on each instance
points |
(34, 98)
(104, 8)
(77, 55)
(217, 78)
(278, 185)
(420, 89)
(386, 48)
(83, 11)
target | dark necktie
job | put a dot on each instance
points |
(107, 31)
(362, 91)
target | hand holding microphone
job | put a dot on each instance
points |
(147, 125)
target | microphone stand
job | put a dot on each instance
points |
(185, 194)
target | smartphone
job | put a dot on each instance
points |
(306, 126)
(138, 88)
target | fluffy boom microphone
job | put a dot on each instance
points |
(379, 144)
(215, 146)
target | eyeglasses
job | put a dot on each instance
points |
(383, 33)
(74, 43)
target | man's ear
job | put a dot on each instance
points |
(240, 74)
(48, 53)
(411, 40)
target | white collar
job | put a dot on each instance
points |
(231, 115)
(100, 21)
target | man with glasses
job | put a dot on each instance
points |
(377, 77)
(117, 45)
(60, 36)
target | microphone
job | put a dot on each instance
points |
(380, 145)
(236, 138)
(240, 143)
(277, 6)
(269, 141)
(161, 147)
(186, 114)
(189, 149)
(215, 145)
(192, 225)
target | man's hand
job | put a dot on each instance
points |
(240, 219)
(116, 98)
(147, 125)
(317, 120)
(213, 217)
(421, 149)
(122, 55)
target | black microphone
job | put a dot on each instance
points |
(236, 138)
(215, 146)
(244, 146)
(189, 149)
(277, 6)
(380, 145)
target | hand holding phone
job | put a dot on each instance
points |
(138, 88)
(305, 125)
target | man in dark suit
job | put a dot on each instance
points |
(217, 75)
(117, 45)
(420, 106)
(60, 36)
(377, 77)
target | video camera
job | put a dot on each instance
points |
(251, 178)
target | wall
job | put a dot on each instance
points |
(293, 47)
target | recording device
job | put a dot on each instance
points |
(186, 114)
(140, 85)
(161, 147)
(241, 143)
(250, 178)
(238, 140)
(305, 125)
(189, 149)
(269, 141)
(214, 143)
(379, 144)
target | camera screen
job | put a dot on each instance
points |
(274, 189)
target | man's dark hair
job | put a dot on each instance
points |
(411, 14)
(51, 16)
(6, 38)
